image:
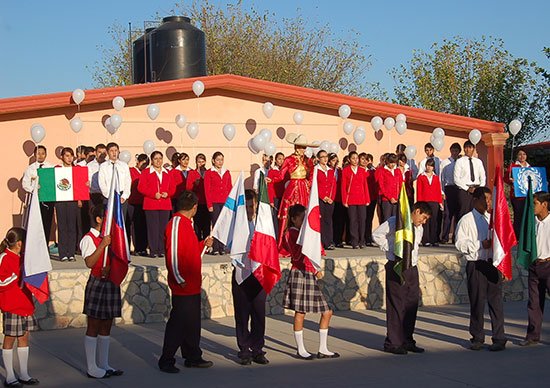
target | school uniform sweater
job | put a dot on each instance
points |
(217, 186)
(14, 298)
(150, 184)
(428, 189)
(355, 188)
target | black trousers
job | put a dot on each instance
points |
(401, 306)
(183, 330)
(357, 220)
(201, 222)
(371, 209)
(156, 222)
(538, 285)
(137, 224)
(450, 212)
(431, 228)
(96, 199)
(388, 210)
(327, 233)
(46, 210)
(84, 220)
(66, 227)
(518, 205)
(485, 284)
(340, 221)
(465, 202)
(249, 304)
(217, 246)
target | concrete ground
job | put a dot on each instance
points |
(57, 356)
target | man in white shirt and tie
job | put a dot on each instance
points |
(93, 174)
(473, 240)
(469, 173)
(450, 191)
(105, 175)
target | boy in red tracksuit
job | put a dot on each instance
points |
(390, 179)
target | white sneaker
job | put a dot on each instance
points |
(65, 258)
(72, 258)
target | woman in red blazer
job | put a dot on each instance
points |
(518, 203)
(429, 189)
(135, 216)
(157, 186)
(356, 198)
(217, 185)
(179, 176)
(326, 183)
(389, 182)
(340, 219)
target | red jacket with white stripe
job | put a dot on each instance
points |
(183, 256)
(389, 183)
(13, 298)
(216, 187)
(326, 183)
(149, 185)
(429, 192)
(355, 189)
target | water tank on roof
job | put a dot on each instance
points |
(141, 70)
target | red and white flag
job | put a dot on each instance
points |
(310, 233)
(503, 231)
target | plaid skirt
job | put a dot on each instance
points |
(302, 294)
(17, 325)
(102, 299)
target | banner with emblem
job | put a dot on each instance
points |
(63, 184)
(521, 176)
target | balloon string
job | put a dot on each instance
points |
(512, 150)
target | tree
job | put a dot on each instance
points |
(258, 45)
(472, 77)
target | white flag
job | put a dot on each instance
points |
(310, 233)
(37, 256)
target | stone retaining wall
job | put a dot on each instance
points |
(348, 284)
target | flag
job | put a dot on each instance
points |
(233, 215)
(63, 184)
(310, 233)
(263, 248)
(503, 231)
(36, 262)
(527, 248)
(404, 234)
(113, 225)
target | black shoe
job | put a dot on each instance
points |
(260, 359)
(309, 358)
(356, 247)
(399, 351)
(198, 364)
(436, 244)
(15, 383)
(322, 355)
(428, 245)
(528, 342)
(31, 381)
(330, 248)
(106, 375)
(245, 360)
(369, 244)
(169, 369)
(413, 348)
(339, 245)
(361, 246)
(115, 372)
(476, 346)
(497, 347)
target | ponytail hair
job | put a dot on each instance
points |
(14, 235)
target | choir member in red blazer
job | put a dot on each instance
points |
(217, 185)
(326, 184)
(429, 190)
(407, 174)
(183, 262)
(373, 193)
(135, 216)
(355, 197)
(179, 176)
(518, 203)
(157, 186)
(340, 220)
(389, 182)
(195, 183)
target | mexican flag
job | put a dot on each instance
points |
(63, 184)
(263, 247)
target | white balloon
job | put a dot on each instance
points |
(270, 149)
(410, 152)
(438, 143)
(109, 126)
(153, 111)
(348, 127)
(344, 111)
(259, 142)
(361, 128)
(76, 125)
(267, 134)
(308, 152)
(334, 148)
(38, 133)
(514, 127)
(229, 131)
(193, 130)
(298, 117)
(400, 126)
(401, 117)
(439, 132)
(148, 147)
(359, 136)
(251, 147)
(78, 96)
(432, 139)
(198, 88)
(180, 120)
(389, 123)
(268, 109)
(376, 123)
(116, 120)
(125, 156)
(118, 103)
(475, 136)
(325, 145)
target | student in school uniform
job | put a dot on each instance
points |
(377, 173)
(468, 174)
(411, 163)
(265, 168)
(179, 176)
(174, 161)
(539, 270)
(195, 183)
(183, 262)
(518, 203)
(402, 292)
(302, 293)
(429, 191)
(136, 221)
(16, 303)
(157, 186)
(217, 185)
(450, 191)
(93, 165)
(355, 197)
(407, 175)
(373, 193)
(473, 240)
(276, 189)
(429, 150)
(122, 174)
(102, 299)
(390, 179)
(326, 184)
(340, 220)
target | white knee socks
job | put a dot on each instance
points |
(103, 352)
(323, 337)
(90, 346)
(299, 337)
(7, 355)
(23, 354)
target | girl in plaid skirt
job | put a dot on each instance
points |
(302, 293)
(17, 308)
(102, 300)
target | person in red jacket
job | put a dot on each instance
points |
(389, 182)
(327, 186)
(183, 262)
(195, 183)
(179, 176)
(157, 186)
(276, 189)
(135, 217)
(217, 185)
(355, 197)
(407, 175)
(340, 220)
(518, 203)
(373, 193)
(429, 190)
(17, 308)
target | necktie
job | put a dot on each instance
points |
(41, 165)
(472, 175)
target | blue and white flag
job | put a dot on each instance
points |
(521, 176)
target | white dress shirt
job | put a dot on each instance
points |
(105, 175)
(243, 265)
(384, 237)
(82, 163)
(93, 176)
(447, 168)
(422, 165)
(256, 183)
(462, 173)
(543, 237)
(30, 175)
(471, 231)
(87, 246)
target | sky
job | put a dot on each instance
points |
(47, 45)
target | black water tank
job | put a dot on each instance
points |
(139, 68)
(177, 50)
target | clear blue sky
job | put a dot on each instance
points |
(46, 45)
